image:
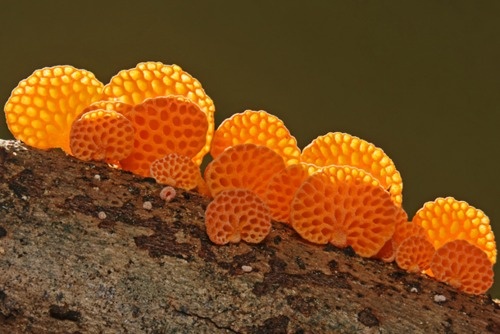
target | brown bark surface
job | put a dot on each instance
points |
(65, 270)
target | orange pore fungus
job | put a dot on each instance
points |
(282, 187)
(154, 79)
(256, 127)
(344, 212)
(102, 135)
(176, 170)
(447, 219)
(237, 214)
(168, 124)
(463, 266)
(414, 254)
(336, 148)
(42, 107)
(246, 166)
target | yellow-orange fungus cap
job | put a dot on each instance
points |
(42, 107)
(447, 219)
(281, 188)
(245, 166)
(259, 128)
(176, 170)
(336, 148)
(415, 254)
(102, 135)
(237, 214)
(168, 124)
(119, 107)
(153, 79)
(344, 212)
(463, 266)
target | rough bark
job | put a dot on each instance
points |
(64, 269)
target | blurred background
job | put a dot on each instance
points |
(421, 81)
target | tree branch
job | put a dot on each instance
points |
(64, 269)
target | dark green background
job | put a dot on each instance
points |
(420, 80)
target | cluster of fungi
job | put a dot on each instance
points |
(156, 120)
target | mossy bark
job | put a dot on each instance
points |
(64, 269)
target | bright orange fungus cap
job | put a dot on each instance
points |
(244, 166)
(414, 254)
(259, 128)
(463, 266)
(336, 148)
(344, 212)
(177, 171)
(171, 124)
(447, 219)
(237, 214)
(154, 79)
(102, 135)
(42, 107)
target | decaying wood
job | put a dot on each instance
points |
(64, 269)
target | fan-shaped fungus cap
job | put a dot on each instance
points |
(282, 187)
(344, 212)
(244, 166)
(237, 214)
(176, 170)
(336, 148)
(447, 219)
(153, 79)
(463, 266)
(259, 128)
(42, 107)
(168, 124)
(102, 135)
(414, 254)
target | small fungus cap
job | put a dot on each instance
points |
(153, 79)
(447, 219)
(256, 127)
(102, 135)
(414, 254)
(282, 187)
(237, 214)
(176, 170)
(42, 107)
(337, 148)
(344, 212)
(168, 124)
(463, 266)
(244, 166)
